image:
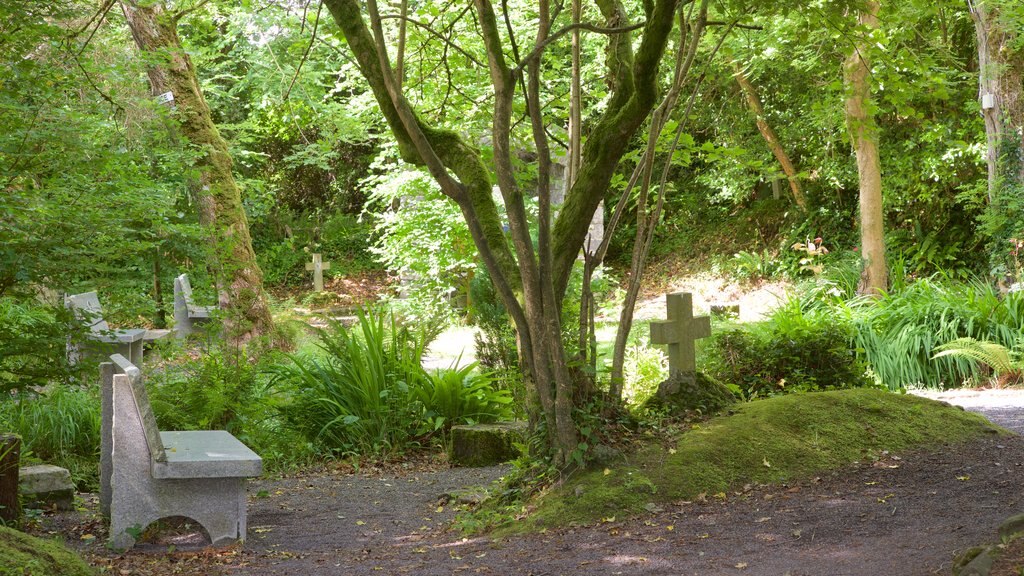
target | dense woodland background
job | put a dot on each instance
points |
(103, 186)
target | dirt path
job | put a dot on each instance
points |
(902, 516)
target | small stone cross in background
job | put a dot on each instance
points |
(680, 332)
(318, 266)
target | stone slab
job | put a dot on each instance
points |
(486, 444)
(206, 454)
(48, 485)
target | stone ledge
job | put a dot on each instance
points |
(486, 444)
(46, 485)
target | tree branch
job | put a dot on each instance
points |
(435, 34)
(562, 32)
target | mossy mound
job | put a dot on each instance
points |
(24, 555)
(765, 441)
(691, 393)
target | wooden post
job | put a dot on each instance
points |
(10, 455)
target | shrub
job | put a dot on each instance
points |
(644, 369)
(357, 396)
(460, 396)
(205, 393)
(792, 351)
(33, 345)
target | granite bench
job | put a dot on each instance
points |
(186, 313)
(86, 308)
(146, 474)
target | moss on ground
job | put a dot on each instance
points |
(24, 555)
(766, 441)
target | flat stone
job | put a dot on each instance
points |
(47, 485)
(1012, 526)
(486, 444)
(981, 565)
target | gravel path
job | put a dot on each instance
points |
(1004, 407)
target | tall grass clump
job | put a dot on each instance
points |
(899, 333)
(59, 426)
(356, 396)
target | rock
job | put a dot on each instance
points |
(692, 392)
(486, 444)
(1012, 526)
(24, 554)
(47, 485)
(980, 565)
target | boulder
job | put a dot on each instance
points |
(486, 444)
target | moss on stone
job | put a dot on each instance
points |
(766, 441)
(691, 393)
(485, 444)
(24, 555)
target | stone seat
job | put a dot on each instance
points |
(86, 308)
(186, 312)
(146, 474)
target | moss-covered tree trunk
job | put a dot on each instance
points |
(530, 279)
(239, 278)
(864, 134)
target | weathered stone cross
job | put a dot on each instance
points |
(318, 266)
(680, 332)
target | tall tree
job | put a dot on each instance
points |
(864, 134)
(1000, 42)
(531, 278)
(170, 70)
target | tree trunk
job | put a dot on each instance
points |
(1000, 78)
(239, 278)
(754, 103)
(864, 134)
(531, 280)
(10, 455)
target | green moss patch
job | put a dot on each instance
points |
(766, 441)
(24, 555)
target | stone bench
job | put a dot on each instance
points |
(146, 474)
(86, 308)
(186, 313)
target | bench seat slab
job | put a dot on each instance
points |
(206, 454)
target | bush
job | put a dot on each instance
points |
(643, 370)
(33, 345)
(792, 351)
(357, 397)
(458, 396)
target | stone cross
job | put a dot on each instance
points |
(318, 266)
(680, 332)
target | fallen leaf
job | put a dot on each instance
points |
(766, 463)
(741, 565)
(964, 478)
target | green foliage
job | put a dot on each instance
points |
(793, 351)
(424, 239)
(33, 344)
(209, 392)
(366, 393)
(60, 426)
(900, 332)
(458, 395)
(358, 396)
(771, 440)
(644, 369)
(1001, 359)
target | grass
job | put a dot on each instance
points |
(767, 441)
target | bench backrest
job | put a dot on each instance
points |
(186, 289)
(86, 308)
(122, 367)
